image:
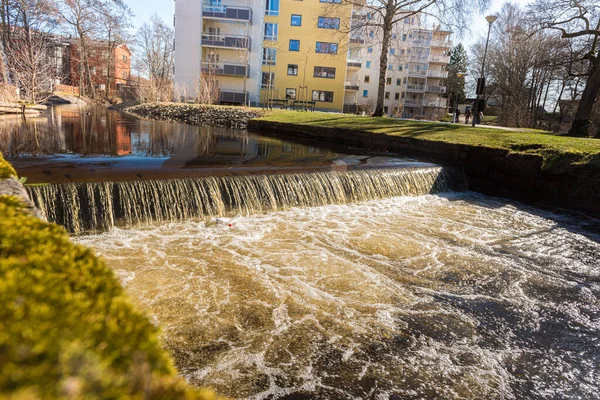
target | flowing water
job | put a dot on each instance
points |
(458, 296)
(284, 271)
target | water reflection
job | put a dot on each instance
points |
(74, 144)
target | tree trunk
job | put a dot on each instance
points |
(383, 59)
(582, 124)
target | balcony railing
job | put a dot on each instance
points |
(416, 73)
(351, 85)
(435, 104)
(413, 102)
(272, 13)
(265, 86)
(357, 40)
(227, 12)
(436, 89)
(230, 41)
(437, 74)
(225, 68)
(439, 59)
(415, 88)
(232, 96)
(353, 64)
(441, 43)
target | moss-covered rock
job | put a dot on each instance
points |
(6, 170)
(197, 114)
(67, 329)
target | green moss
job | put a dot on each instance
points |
(67, 330)
(6, 170)
(559, 152)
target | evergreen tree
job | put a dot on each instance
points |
(457, 69)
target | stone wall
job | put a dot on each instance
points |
(491, 171)
(195, 114)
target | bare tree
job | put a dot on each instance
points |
(577, 21)
(154, 57)
(383, 15)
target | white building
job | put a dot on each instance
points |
(220, 38)
(416, 72)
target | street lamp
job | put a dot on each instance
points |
(481, 81)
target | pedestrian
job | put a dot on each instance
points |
(480, 117)
(467, 115)
(457, 115)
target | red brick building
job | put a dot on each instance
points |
(107, 64)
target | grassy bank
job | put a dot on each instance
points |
(67, 329)
(558, 152)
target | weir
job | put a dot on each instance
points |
(81, 207)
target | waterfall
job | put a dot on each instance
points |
(81, 207)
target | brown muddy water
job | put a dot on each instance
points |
(342, 283)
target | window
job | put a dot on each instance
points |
(124, 75)
(371, 34)
(367, 78)
(404, 37)
(290, 94)
(93, 70)
(296, 20)
(293, 69)
(320, 95)
(388, 81)
(328, 23)
(267, 80)
(370, 49)
(385, 109)
(326, 48)
(271, 31)
(272, 7)
(390, 66)
(399, 67)
(105, 71)
(365, 93)
(394, 36)
(124, 59)
(294, 45)
(398, 82)
(387, 95)
(324, 72)
(392, 51)
(269, 56)
(368, 64)
(397, 96)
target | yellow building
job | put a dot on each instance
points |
(304, 52)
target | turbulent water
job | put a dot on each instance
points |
(447, 297)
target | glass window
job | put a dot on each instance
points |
(404, 37)
(370, 49)
(271, 31)
(326, 48)
(328, 23)
(269, 56)
(272, 7)
(290, 94)
(387, 95)
(368, 64)
(398, 81)
(324, 72)
(388, 81)
(399, 67)
(320, 95)
(365, 93)
(371, 34)
(394, 36)
(267, 80)
(390, 66)
(392, 51)
(293, 69)
(397, 96)
(296, 20)
(367, 78)
(294, 45)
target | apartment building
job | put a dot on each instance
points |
(416, 72)
(291, 50)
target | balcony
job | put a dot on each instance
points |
(439, 59)
(417, 74)
(231, 96)
(351, 86)
(415, 88)
(353, 64)
(441, 43)
(435, 104)
(357, 40)
(436, 89)
(227, 41)
(227, 12)
(413, 102)
(226, 68)
(437, 74)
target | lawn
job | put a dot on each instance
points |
(558, 151)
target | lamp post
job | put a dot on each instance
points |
(481, 81)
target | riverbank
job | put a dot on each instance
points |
(67, 328)
(539, 168)
(197, 114)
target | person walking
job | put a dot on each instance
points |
(467, 115)
(457, 116)
(480, 117)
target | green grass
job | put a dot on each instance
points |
(558, 152)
